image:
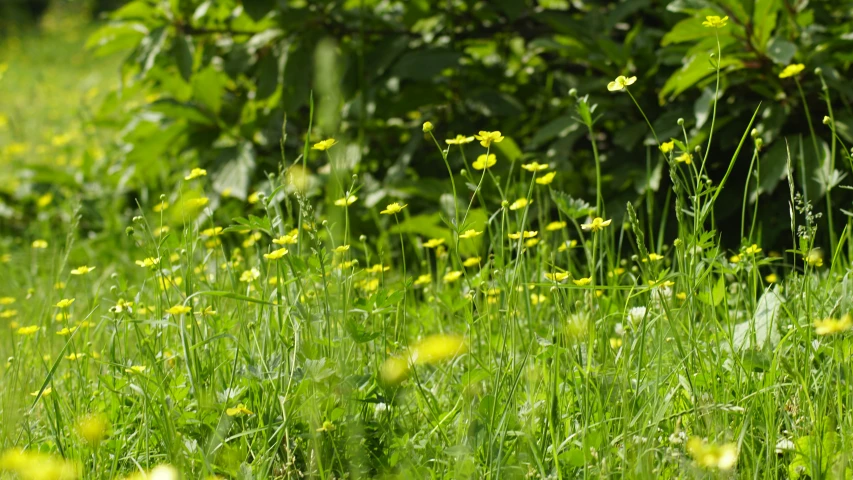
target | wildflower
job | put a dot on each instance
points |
(437, 348)
(342, 249)
(393, 209)
(815, 257)
(484, 161)
(520, 203)
(82, 270)
(38, 466)
(92, 428)
(434, 242)
(394, 370)
(66, 331)
(596, 224)
(537, 298)
(471, 262)
(47, 391)
(254, 198)
(667, 147)
(148, 262)
(487, 138)
(620, 83)
(636, 315)
(40, 244)
(734, 258)
(531, 242)
(722, 457)
(324, 144)
(471, 233)
(240, 409)
(327, 425)
(615, 343)
(554, 226)
(427, 127)
(7, 300)
(459, 140)
(8, 313)
(346, 201)
(44, 200)
(556, 276)
(178, 310)
(792, 70)
(348, 264)
(684, 158)
(249, 275)
(135, 369)
(654, 257)
(681, 295)
(212, 232)
(160, 472)
(546, 179)
(582, 281)
(714, 21)
(195, 173)
(276, 254)
(534, 167)
(160, 206)
(424, 279)
(831, 326)
(525, 234)
(378, 268)
(28, 330)
(75, 356)
(196, 202)
(451, 277)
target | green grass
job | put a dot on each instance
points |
(535, 361)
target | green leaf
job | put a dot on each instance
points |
(423, 65)
(761, 329)
(238, 165)
(571, 207)
(764, 20)
(695, 69)
(114, 38)
(257, 9)
(150, 48)
(716, 295)
(184, 56)
(178, 110)
(208, 88)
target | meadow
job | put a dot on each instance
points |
(163, 323)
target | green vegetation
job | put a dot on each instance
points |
(284, 244)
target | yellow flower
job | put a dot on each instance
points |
(596, 224)
(240, 409)
(525, 234)
(536, 299)
(546, 179)
(328, 426)
(41, 244)
(534, 167)
(654, 257)
(135, 369)
(459, 140)
(44, 200)
(378, 268)
(722, 457)
(815, 258)
(47, 391)
(92, 428)
(196, 202)
(792, 70)
(250, 275)
(178, 310)
(346, 201)
(160, 206)
(212, 232)
(348, 264)
(685, 158)
(82, 270)
(7, 300)
(582, 281)
(325, 144)
(520, 203)
(66, 331)
(470, 234)
(487, 138)
(715, 21)
(276, 254)
(289, 239)
(195, 173)
(437, 348)
(734, 259)
(342, 249)
(557, 276)
(424, 279)
(451, 277)
(667, 147)
(553, 226)
(483, 161)
(752, 249)
(75, 356)
(148, 262)
(831, 326)
(427, 127)
(615, 343)
(393, 209)
(433, 242)
(8, 313)
(620, 83)
(531, 242)
(254, 198)
(28, 330)
(29, 465)
(471, 262)
(64, 303)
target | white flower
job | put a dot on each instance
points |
(636, 315)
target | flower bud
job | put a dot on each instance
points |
(680, 122)
(818, 71)
(753, 133)
(827, 120)
(573, 92)
(428, 127)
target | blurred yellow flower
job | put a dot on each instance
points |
(471, 262)
(714, 21)
(546, 179)
(471, 233)
(427, 127)
(41, 244)
(393, 209)
(47, 391)
(437, 348)
(342, 249)
(534, 167)
(553, 226)
(596, 224)
(453, 276)
(484, 161)
(620, 83)
(433, 242)
(815, 257)
(148, 262)
(582, 281)
(75, 356)
(346, 201)
(525, 234)
(240, 409)
(459, 140)
(667, 147)
(92, 428)
(44, 200)
(520, 203)
(557, 276)
(792, 70)
(831, 326)
(722, 457)
(38, 466)
(178, 310)
(684, 158)
(7, 300)
(195, 173)
(82, 270)
(135, 369)
(752, 249)
(276, 254)
(212, 232)
(28, 330)
(487, 138)
(324, 144)
(424, 279)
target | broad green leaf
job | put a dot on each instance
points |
(715, 295)
(695, 69)
(114, 38)
(235, 174)
(764, 21)
(571, 207)
(761, 329)
(150, 48)
(781, 51)
(208, 88)
(184, 56)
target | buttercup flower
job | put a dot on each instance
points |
(534, 167)
(487, 138)
(324, 144)
(520, 203)
(346, 201)
(667, 147)
(451, 277)
(714, 21)
(148, 262)
(433, 242)
(471, 262)
(195, 173)
(470, 234)
(459, 140)
(620, 83)
(82, 270)
(831, 326)
(557, 225)
(393, 209)
(557, 276)
(178, 310)
(546, 179)
(684, 158)
(582, 281)
(240, 409)
(64, 303)
(792, 70)
(525, 234)
(484, 161)
(428, 127)
(596, 224)
(276, 254)
(41, 244)
(424, 279)
(722, 457)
